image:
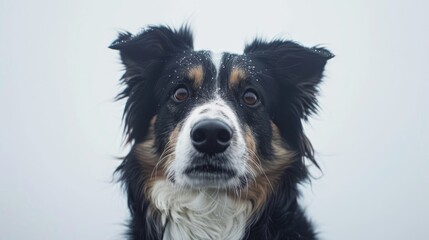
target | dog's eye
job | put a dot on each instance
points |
(250, 98)
(180, 94)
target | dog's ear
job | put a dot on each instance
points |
(297, 71)
(152, 45)
(144, 56)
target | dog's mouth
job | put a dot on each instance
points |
(209, 171)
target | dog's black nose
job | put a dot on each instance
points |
(211, 136)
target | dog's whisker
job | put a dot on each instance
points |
(164, 155)
(259, 166)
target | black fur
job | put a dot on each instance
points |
(286, 76)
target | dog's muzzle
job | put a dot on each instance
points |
(210, 150)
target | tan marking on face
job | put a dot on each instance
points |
(237, 74)
(196, 74)
(154, 165)
(266, 173)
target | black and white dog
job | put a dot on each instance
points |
(217, 141)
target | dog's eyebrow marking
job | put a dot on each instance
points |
(196, 74)
(237, 74)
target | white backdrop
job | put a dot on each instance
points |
(60, 130)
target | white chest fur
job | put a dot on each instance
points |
(199, 214)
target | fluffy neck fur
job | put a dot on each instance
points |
(199, 214)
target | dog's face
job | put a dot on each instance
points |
(205, 120)
(213, 108)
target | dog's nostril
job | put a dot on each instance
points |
(224, 135)
(211, 136)
(198, 135)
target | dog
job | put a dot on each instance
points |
(217, 140)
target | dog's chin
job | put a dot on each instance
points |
(210, 172)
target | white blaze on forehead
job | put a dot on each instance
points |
(215, 109)
(217, 59)
(217, 62)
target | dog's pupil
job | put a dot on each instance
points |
(250, 98)
(181, 94)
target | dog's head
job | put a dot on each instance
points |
(225, 121)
